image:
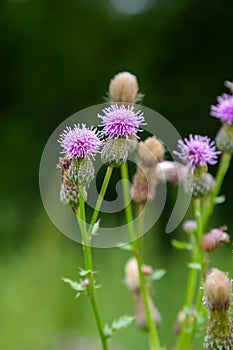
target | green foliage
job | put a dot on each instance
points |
(117, 325)
(182, 245)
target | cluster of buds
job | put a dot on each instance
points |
(133, 283)
(150, 153)
(218, 298)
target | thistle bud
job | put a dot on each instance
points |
(124, 88)
(69, 192)
(213, 239)
(144, 184)
(133, 283)
(114, 152)
(199, 184)
(81, 171)
(218, 299)
(224, 138)
(150, 152)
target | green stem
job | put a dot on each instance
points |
(185, 338)
(100, 198)
(154, 338)
(81, 217)
(222, 170)
(137, 251)
(127, 199)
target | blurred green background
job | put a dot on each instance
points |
(57, 57)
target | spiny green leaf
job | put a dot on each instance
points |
(157, 274)
(195, 266)
(118, 324)
(78, 286)
(182, 245)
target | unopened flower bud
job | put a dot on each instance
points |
(189, 226)
(81, 171)
(133, 283)
(200, 185)
(69, 192)
(218, 299)
(144, 184)
(224, 138)
(212, 240)
(114, 152)
(151, 151)
(217, 289)
(124, 88)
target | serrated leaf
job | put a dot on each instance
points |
(95, 228)
(124, 246)
(157, 274)
(195, 266)
(75, 285)
(83, 272)
(182, 245)
(117, 325)
(220, 199)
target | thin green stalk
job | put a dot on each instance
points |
(127, 199)
(81, 217)
(155, 344)
(185, 338)
(222, 170)
(137, 251)
(100, 198)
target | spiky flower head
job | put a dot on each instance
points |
(124, 88)
(197, 151)
(224, 109)
(121, 121)
(80, 141)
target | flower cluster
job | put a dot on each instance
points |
(224, 109)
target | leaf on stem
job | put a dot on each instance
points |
(95, 228)
(182, 245)
(220, 199)
(117, 325)
(79, 287)
(157, 274)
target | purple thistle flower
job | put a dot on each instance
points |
(197, 151)
(121, 121)
(224, 109)
(80, 141)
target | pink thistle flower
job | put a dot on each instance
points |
(224, 109)
(80, 141)
(197, 151)
(121, 121)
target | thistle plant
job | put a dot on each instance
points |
(208, 299)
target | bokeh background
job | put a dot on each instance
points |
(57, 57)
